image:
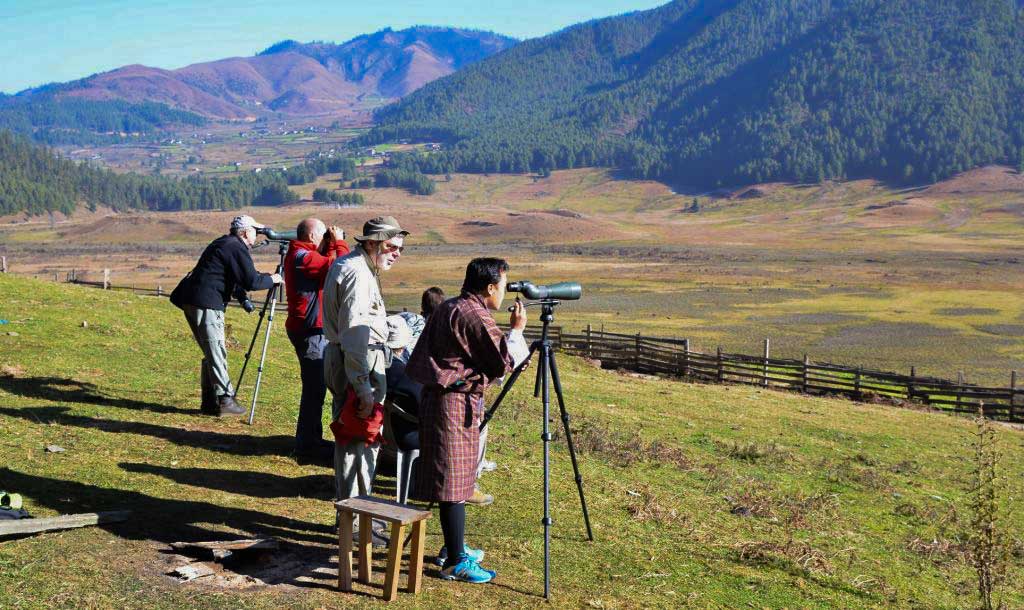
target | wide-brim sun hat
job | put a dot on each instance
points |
(381, 228)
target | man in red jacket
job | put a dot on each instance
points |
(305, 267)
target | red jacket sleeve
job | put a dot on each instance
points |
(314, 265)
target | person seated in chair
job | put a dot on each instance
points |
(403, 392)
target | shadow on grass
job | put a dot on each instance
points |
(237, 444)
(305, 545)
(161, 519)
(252, 484)
(59, 389)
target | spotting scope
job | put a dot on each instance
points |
(565, 291)
(273, 235)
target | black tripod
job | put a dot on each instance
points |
(269, 304)
(545, 367)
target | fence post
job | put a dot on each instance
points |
(637, 357)
(159, 290)
(55, 279)
(3, 264)
(590, 349)
(1013, 394)
(686, 357)
(856, 382)
(910, 385)
(807, 361)
(959, 389)
(767, 346)
(720, 372)
(106, 279)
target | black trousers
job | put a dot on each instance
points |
(309, 429)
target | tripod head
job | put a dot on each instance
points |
(547, 309)
(282, 246)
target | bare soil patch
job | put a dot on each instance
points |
(966, 311)
(913, 211)
(882, 333)
(809, 318)
(1005, 330)
(990, 179)
(538, 227)
(284, 569)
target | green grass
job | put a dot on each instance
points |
(849, 505)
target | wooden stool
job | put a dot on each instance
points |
(399, 516)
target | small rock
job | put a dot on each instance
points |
(54, 449)
(11, 333)
(85, 324)
(192, 571)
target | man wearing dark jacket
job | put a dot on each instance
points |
(224, 269)
(305, 266)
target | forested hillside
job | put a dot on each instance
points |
(711, 92)
(55, 120)
(34, 180)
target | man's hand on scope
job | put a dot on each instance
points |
(276, 278)
(335, 233)
(518, 318)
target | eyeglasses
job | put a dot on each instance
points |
(388, 248)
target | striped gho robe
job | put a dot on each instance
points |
(459, 354)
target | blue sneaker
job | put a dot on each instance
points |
(476, 555)
(467, 570)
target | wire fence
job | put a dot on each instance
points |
(674, 357)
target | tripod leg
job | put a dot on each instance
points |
(255, 333)
(263, 355)
(508, 386)
(542, 381)
(568, 439)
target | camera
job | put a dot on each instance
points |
(273, 235)
(566, 291)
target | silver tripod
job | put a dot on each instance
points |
(269, 305)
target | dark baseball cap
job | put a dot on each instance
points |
(381, 228)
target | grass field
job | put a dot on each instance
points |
(701, 496)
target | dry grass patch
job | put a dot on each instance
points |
(627, 448)
(647, 506)
(754, 452)
(791, 555)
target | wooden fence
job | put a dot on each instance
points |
(673, 357)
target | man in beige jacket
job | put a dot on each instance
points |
(356, 329)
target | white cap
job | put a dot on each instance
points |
(244, 222)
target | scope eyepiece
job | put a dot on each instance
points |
(565, 291)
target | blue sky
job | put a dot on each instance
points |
(44, 41)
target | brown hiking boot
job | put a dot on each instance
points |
(479, 498)
(227, 406)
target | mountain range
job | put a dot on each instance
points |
(318, 78)
(717, 92)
